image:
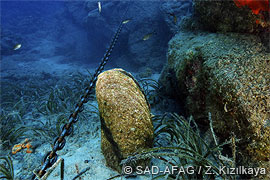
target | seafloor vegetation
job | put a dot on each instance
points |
(38, 108)
(40, 105)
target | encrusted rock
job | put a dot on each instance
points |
(235, 16)
(126, 125)
(228, 16)
(229, 76)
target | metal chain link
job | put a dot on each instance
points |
(51, 157)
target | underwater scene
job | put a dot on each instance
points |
(133, 89)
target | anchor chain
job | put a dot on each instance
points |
(51, 157)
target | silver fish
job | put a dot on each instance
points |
(126, 21)
(147, 36)
(99, 7)
(18, 46)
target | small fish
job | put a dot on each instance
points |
(126, 21)
(18, 46)
(99, 7)
(174, 17)
(225, 107)
(147, 36)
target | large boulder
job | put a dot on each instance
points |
(227, 75)
(126, 125)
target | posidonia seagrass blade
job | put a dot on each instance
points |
(6, 168)
(186, 148)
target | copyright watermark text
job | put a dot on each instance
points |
(223, 170)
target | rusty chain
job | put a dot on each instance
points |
(51, 157)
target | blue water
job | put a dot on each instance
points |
(15, 11)
(79, 33)
(31, 23)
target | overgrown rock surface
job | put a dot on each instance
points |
(226, 16)
(229, 76)
(233, 16)
(125, 117)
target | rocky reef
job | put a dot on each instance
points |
(235, 16)
(126, 125)
(228, 16)
(219, 63)
(227, 75)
